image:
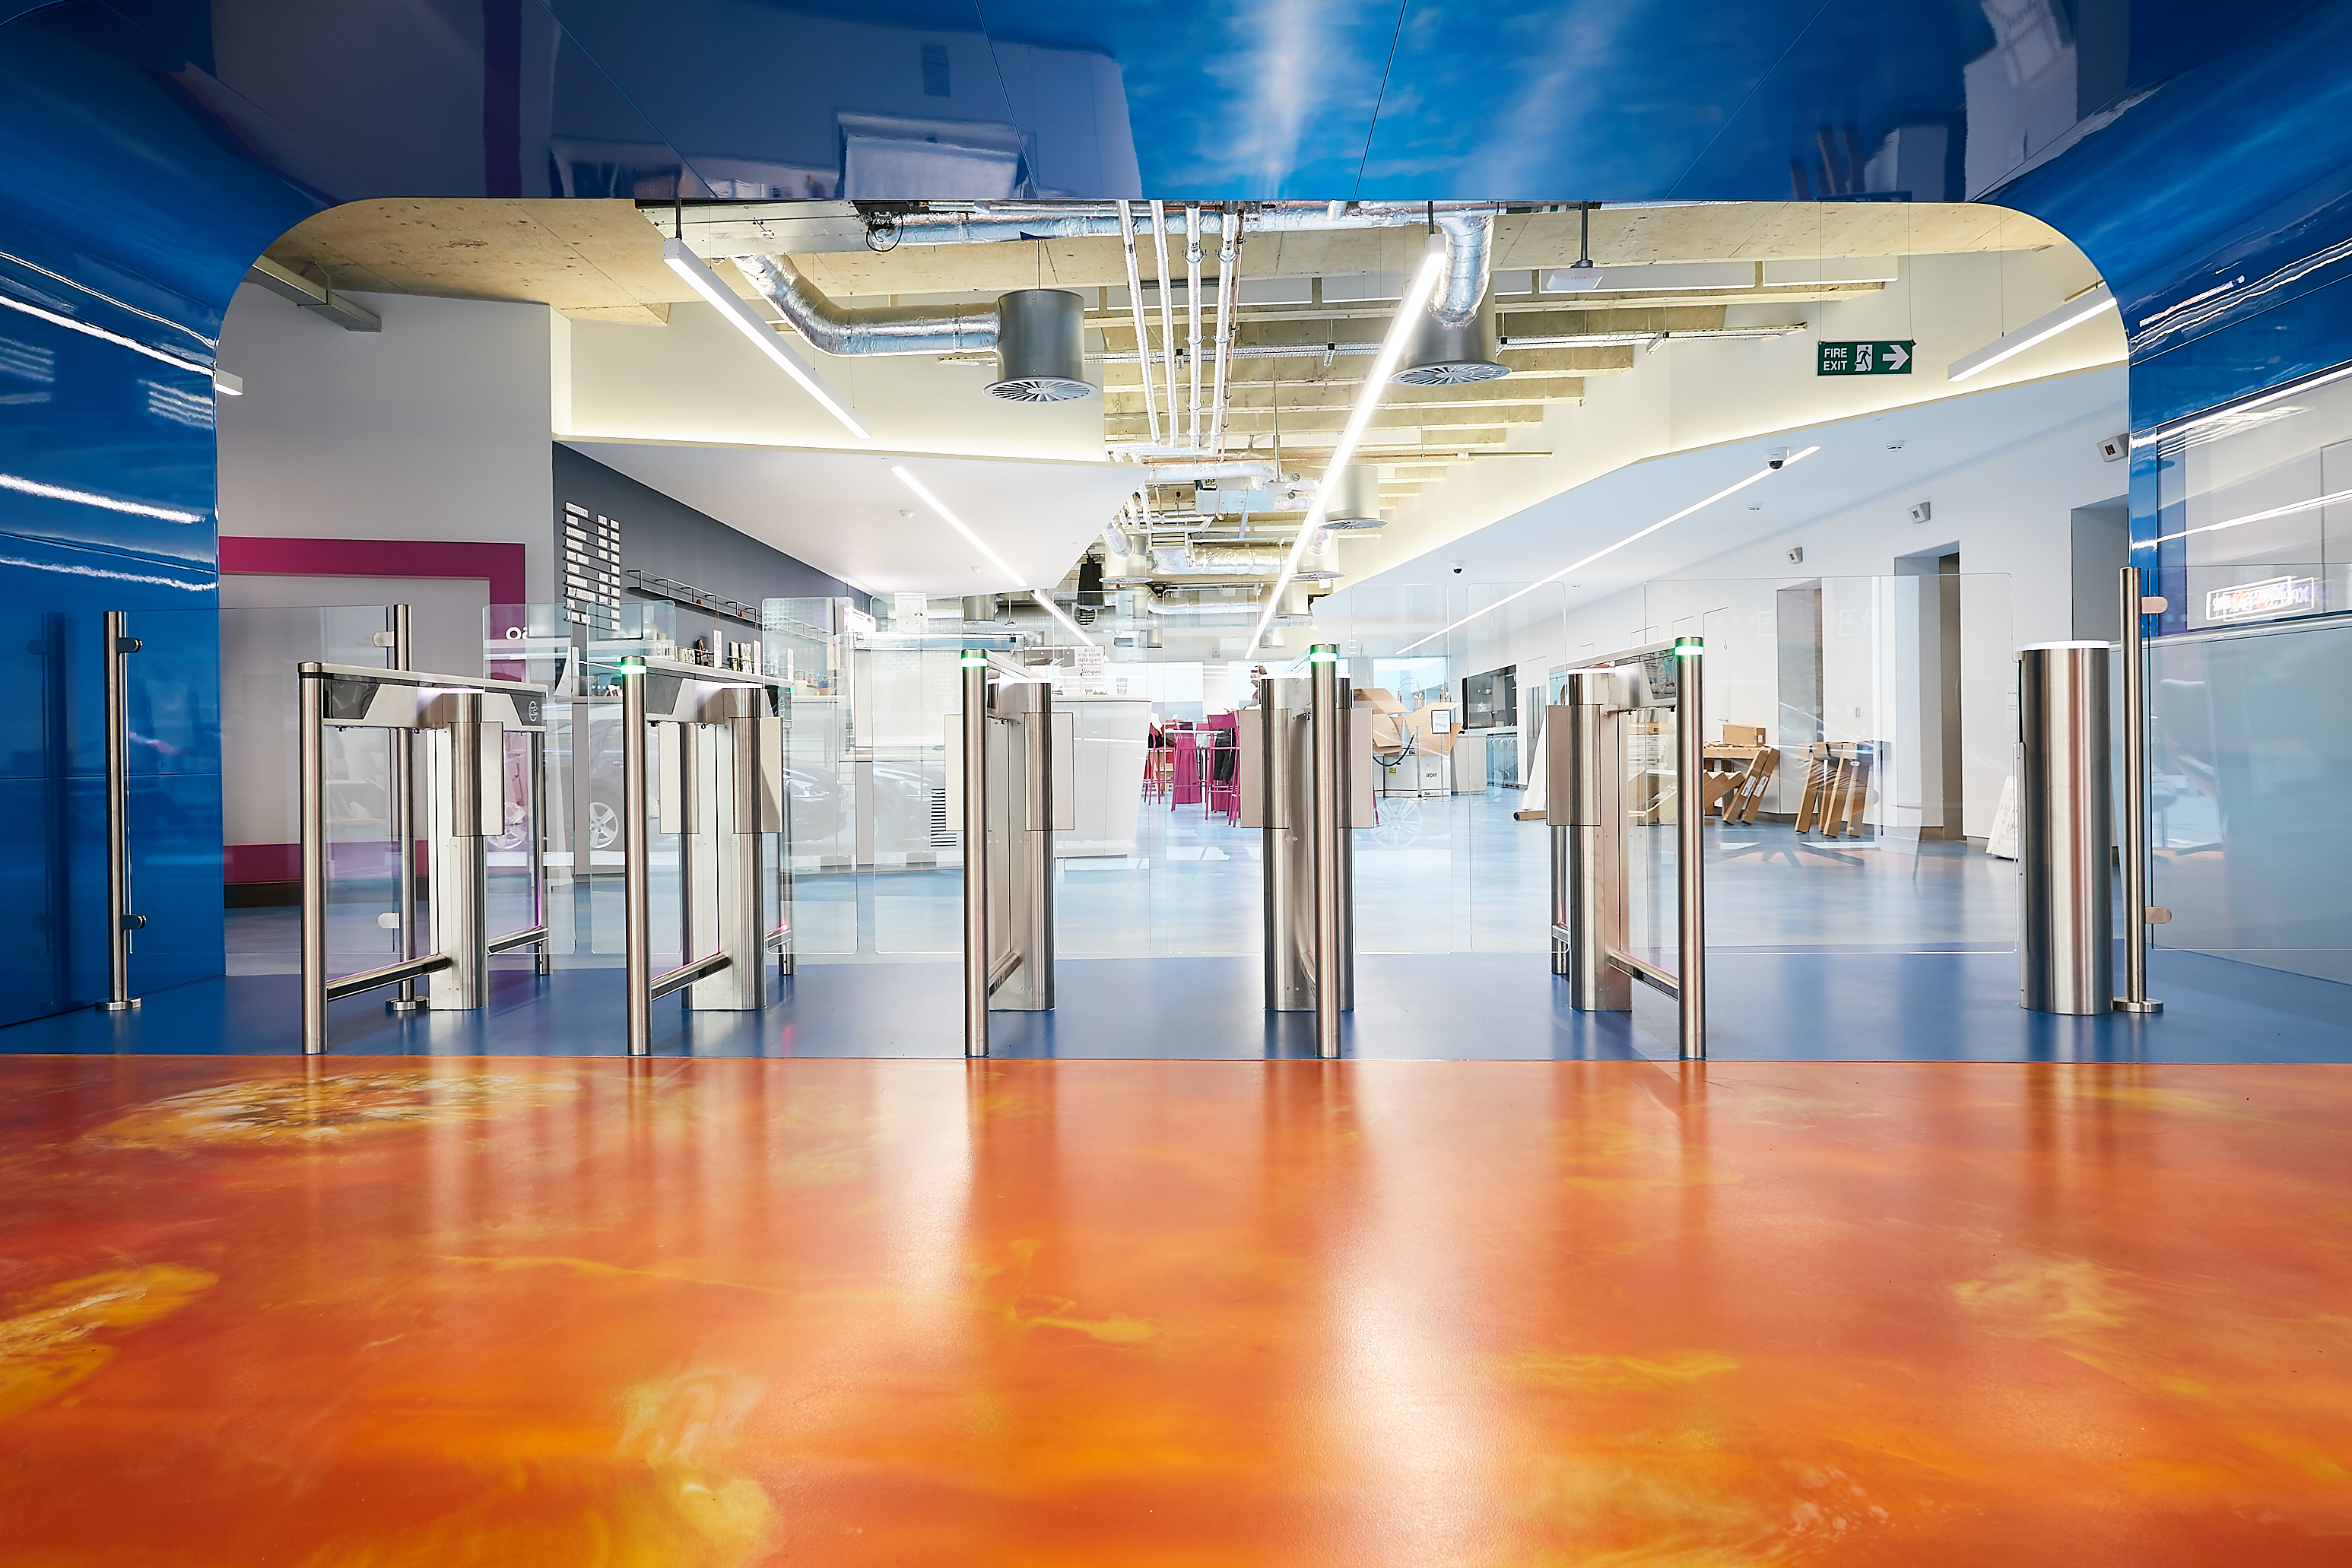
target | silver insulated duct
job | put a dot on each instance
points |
(837, 330)
(1041, 347)
(1453, 342)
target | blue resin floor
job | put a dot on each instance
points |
(1853, 1007)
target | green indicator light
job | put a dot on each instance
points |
(968, 662)
(1688, 647)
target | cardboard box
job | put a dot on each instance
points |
(1743, 735)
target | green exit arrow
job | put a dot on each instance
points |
(1870, 357)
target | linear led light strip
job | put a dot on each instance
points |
(1416, 295)
(754, 326)
(1763, 473)
(2336, 498)
(981, 544)
(2071, 314)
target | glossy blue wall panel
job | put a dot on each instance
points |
(52, 773)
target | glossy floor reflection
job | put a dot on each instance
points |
(729, 1312)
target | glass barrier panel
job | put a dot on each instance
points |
(2250, 739)
(1414, 891)
(1648, 780)
(260, 828)
(905, 702)
(514, 890)
(1860, 758)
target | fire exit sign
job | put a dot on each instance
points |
(1865, 358)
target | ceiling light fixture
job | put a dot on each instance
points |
(1416, 296)
(955, 522)
(1046, 599)
(1779, 467)
(756, 327)
(2074, 313)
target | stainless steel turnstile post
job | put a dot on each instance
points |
(1329, 845)
(720, 739)
(2138, 915)
(1586, 808)
(973, 667)
(1030, 797)
(1305, 789)
(1690, 833)
(1581, 810)
(736, 795)
(2065, 830)
(121, 923)
(463, 721)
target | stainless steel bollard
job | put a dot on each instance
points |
(2065, 831)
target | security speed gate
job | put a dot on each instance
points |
(716, 769)
(462, 723)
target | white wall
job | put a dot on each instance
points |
(2009, 514)
(435, 428)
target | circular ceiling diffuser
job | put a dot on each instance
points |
(1040, 348)
(1451, 372)
(1040, 389)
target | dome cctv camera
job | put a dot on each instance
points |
(1457, 567)
(1778, 456)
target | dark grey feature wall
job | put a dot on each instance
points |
(667, 537)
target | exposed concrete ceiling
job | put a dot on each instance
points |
(1291, 399)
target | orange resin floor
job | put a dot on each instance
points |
(852, 1312)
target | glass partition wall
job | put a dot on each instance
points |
(1860, 732)
(2246, 516)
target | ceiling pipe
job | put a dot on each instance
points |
(1167, 316)
(1193, 328)
(885, 330)
(845, 331)
(1135, 304)
(993, 223)
(1229, 271)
